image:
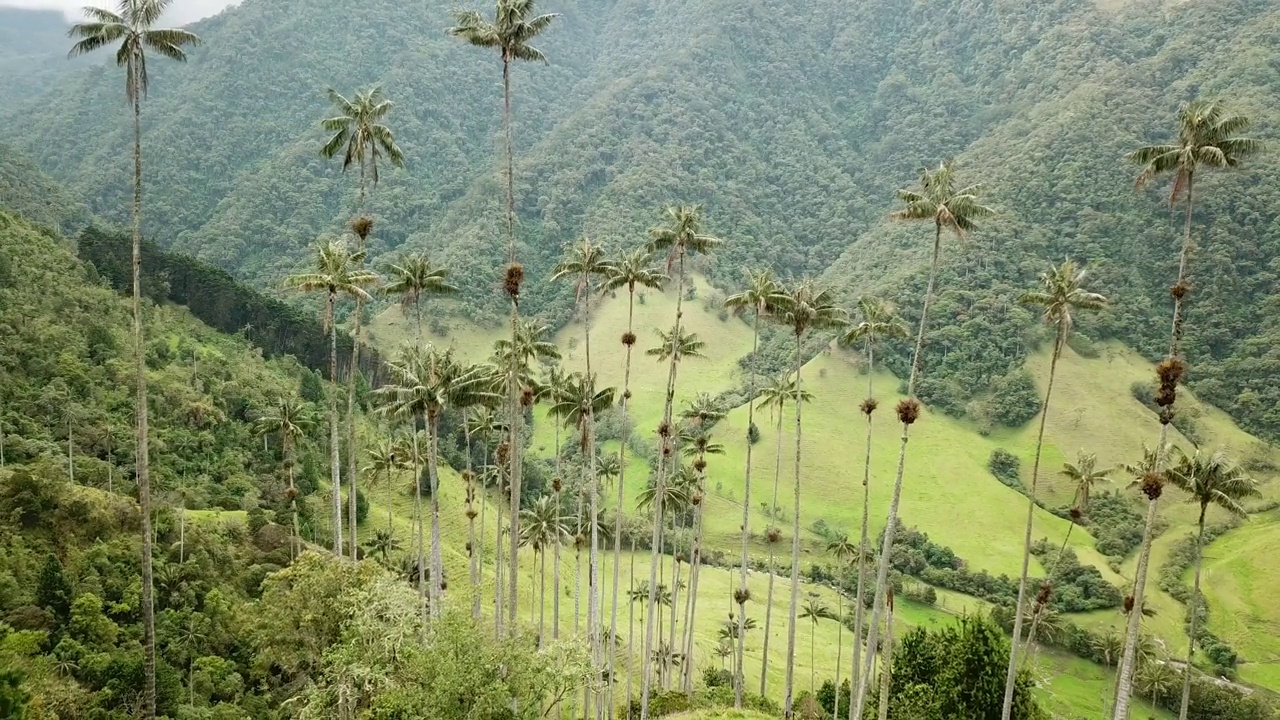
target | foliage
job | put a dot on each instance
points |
(1116, 524)
(1004, 465)
(955, 671)
(1014, 401)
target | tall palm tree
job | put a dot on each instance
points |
(360, 135)
(583, 264)
(1208, 479)
(681, 237)
(554, 387)
(384, 461)
(775, 396)
(1061, 294)
(803, 307)
(886, 656)
(1083, 474)
(337, 273)
(411, 443)
(759, 297)
(411, 278)
(131, 29)
(1207, 137)
(427, 381)
(813, 610)
(876, 321)
(514, 26)
(846, 553)
(957, 211)
(697, 443)
(544, 526)
(290, 419)
(632, 270)
(481, 424)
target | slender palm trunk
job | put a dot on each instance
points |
(484, 512)
(295, 544)
(433, 476)
(577, 568)
(1194, 605)
(739, 671)
(473, 560)
(513, 404)
(664, 446)
(555, 563)
(417, 513)
(835, 711)
(1011, 673)
(594, 623)
(499, 607)
(390, 479)
(335, 477)
(143, 460)
(352, 452)
(795, 551)
(1038, 612)
(542, 598)
(631, 625)
(891, 527)
(768, 603)
(886, 672)
(1128, 662)
(617, 515)
(675, 590)
(860, 599)
(886, 546)
(695, 569)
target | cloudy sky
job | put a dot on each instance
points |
(181, 11)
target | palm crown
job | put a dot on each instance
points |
(427, 380)
(579, 400)
(1084, 474)
(781, 391)
(682, 235)
(414, 276)
(762, 294)
(583, 260)
(679, 341)
(337, 271)
(289, 417)
(876, 320)
(514, 25)
(359, 133)
(939, 201)
(1206, 137)
(809, 306)
(130, 26)
(1062, 293)
(632, 270)
(1213, 479)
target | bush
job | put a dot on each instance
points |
(716, 677)
(1014, 400)
(1006, 467)
(1115, 523)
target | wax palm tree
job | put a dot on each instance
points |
(813, 610)
(957, 211)
(543, 526)
(679, 238)
(1157, 678)
(1061, 294)
(554, 387)
(290, 419)
(385, 460)
(514, 26)
(382, 544)
(1207, 138)
(427, 381)
(696, 442)
(1208, 479)
(412, 277)
(337, 273)
(886, 656)
(875, 321)
(759, 297)
(633, 270)
(131, 30)
(775, 396)
(846, 553)
(360, 135)
(481, 423)
(803, 307)
(583, 264)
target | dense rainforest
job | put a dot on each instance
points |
(752, 173)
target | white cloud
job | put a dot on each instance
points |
(179, 13)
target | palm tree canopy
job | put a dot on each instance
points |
(1084, 474)
(414, 276)
(673, 496)
(762, 293)
(1213, 479)
(583, 260)
(814, 610)
(632, 270)
(1207, 136)
(580, 399)
(939, 200)
(704, 410)
(809, 306)
(542, 524)
(130, 26)
(532, 344)
(427, 380)
(386, 456)
(338, 271)
(514, 25)
(696, 440)
(780, 391)
(1062, 292)
(685, 344)
(843, 549)
(682, 234)
(289, 417)
(359, 132)
(876, 320)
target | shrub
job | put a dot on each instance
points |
(1006, 468)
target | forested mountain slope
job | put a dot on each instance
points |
(792, 123)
